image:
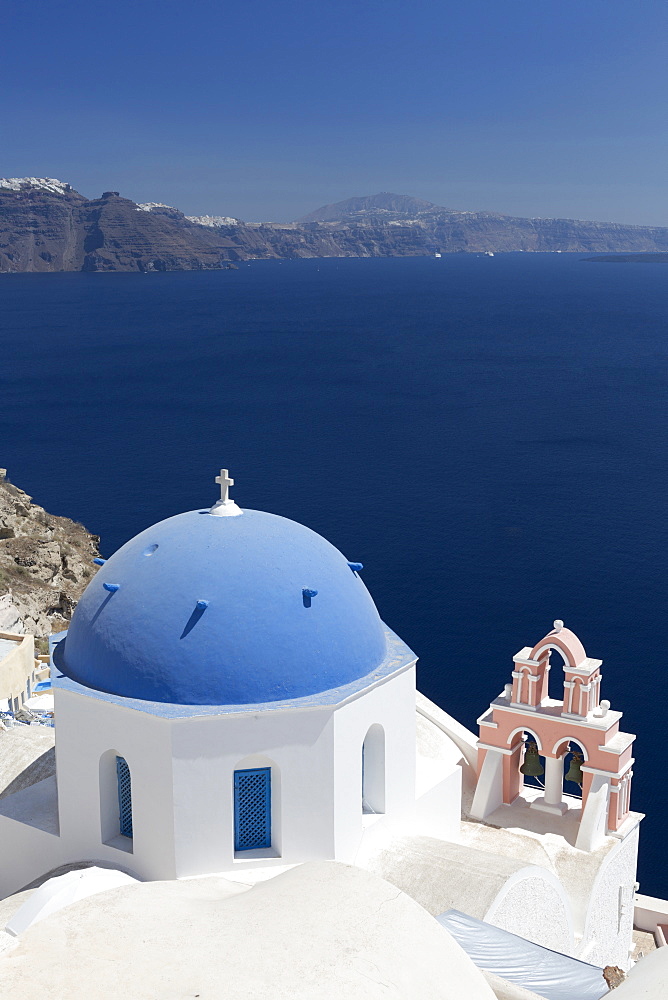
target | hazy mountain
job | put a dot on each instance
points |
(382, 206)
(45, 225)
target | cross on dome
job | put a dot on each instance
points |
(225, 483)
(225, 507)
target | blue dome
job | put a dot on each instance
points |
(209, 610)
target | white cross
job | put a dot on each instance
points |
(225, 483)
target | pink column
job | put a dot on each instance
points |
(616, 791)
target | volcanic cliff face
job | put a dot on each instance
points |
(45, 564)
(45, 228)
(39, 225)
(45, 225)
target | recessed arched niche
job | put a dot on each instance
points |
(116, 814)
(373, 770)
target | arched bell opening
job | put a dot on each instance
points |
(574, 756)
(555, 686)
(532, 766)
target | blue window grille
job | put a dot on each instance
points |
(252, 809)
(124, 796)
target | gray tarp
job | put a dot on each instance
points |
(552, 975)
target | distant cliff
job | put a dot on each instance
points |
(44, 228)
(401, 222)
(45, 564)
(45, 225)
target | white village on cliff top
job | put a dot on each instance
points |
(251, 798)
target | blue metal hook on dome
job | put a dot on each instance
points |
(112, 587)
(200, 608)
(99, 562)
(307, 594)
(356, 567)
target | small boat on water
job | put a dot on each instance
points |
(438, 255)
(488, 253)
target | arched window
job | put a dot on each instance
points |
(533, 761)
(116, 825)
(124, 797)
(574, 755)
(373, 770)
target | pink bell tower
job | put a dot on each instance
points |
(579, 717)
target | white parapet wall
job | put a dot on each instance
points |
(650, 913)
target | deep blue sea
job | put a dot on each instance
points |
(487, 435)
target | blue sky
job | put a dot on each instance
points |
(266, 110)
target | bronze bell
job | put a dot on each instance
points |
(574, 772)
(532, 766)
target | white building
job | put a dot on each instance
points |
(227, 698)
(19, 670)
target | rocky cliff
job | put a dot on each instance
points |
(45, 564)
(45, 225)
(43, 228)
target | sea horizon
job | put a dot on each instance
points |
(486, 435)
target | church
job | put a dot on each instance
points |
(228, 701)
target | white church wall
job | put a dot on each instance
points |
(534, 904)
(392, 706)
(441, 768)
(30, 845)
(182, 778)
(298, 747)
(489, 788)
(90, 733)
(609, 926)
(438, 802)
